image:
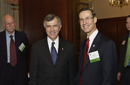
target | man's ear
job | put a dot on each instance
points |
(95, 20)
(60, 27)
(3, 24)
(14, 22)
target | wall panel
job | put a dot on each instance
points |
(32, 13)
(114, 28)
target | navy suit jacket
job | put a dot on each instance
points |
(42, 69)
(21, 57)
(102, 72)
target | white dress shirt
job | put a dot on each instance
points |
(56, 45)
(92, 37)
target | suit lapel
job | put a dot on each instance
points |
(3, 44)
(93, 47)
(95, 43)
(17, 41)
(45, 50)
(126, 39)
(61, 50)
(82, 54)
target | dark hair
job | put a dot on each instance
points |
(50, 17)
(128, 16)
(86, 9)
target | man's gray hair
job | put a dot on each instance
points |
(50, 17)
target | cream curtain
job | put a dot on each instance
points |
(6, 8)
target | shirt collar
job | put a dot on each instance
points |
(13, 34)
(56, 41)
(93, 35)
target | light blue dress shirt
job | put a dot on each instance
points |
(8, 44)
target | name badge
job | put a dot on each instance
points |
(21, 47)
(94, 56)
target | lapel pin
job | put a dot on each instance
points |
(93, 45)
(62, 48)
(123, 43)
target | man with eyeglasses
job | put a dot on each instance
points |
(98, 55)
(13, 54)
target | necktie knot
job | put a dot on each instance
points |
(88, 40)
(87, 43)
(53, 43)
(11, 36)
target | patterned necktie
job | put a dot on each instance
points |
(127, 53)
(53, 53)
(13, 58)
(84, 59)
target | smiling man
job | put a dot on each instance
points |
(98, 56)
(13, 54)
(52, 58)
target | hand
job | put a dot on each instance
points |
(118, 76)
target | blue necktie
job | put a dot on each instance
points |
(53, 53)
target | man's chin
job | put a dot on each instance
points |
(129, 30)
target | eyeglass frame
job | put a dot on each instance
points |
(86, 19)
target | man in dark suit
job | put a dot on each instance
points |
(124, 70)
(47, 69)
(13, 72)
(98, 56)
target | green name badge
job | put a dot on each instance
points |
(22, 47)
(95, 60)
(94, 56)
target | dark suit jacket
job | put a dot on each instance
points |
(42, 69)
(102, 72)
(123, 53)
(21, 57)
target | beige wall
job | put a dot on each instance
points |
(103, 10)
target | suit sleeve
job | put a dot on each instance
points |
(122, 56)
(33, 66)
(109, 63)
(72, 65)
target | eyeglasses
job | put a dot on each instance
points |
(86, 19)
(12, 23)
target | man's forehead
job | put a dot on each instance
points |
(85, 13)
